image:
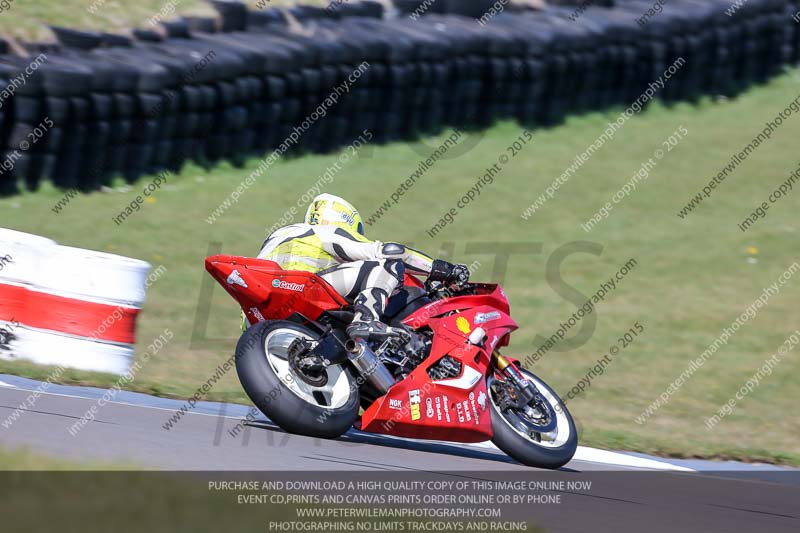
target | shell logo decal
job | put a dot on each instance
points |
(463, 325)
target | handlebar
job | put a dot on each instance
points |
(437, 289)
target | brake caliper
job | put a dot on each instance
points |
(505, 395)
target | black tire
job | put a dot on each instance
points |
(276, 400)
(77, 39)
(56, 108)
(524, 450)
(29, 109)
(234, 15)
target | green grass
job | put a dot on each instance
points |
(694, 276)
(29, 20)
(23, 459)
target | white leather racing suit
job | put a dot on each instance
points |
(364, 272)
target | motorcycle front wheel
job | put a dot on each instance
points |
(325, 406)
(515, 430)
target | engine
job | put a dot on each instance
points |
(403, 360)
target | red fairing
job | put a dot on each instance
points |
(412, 281)
(265, 291)
(454, 409)
(490, 297)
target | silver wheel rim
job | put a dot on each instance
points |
(334, 394)
(553, 439)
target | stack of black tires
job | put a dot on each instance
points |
(95, 106)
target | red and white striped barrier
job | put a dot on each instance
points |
(67, 306)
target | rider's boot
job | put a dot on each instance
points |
(369, 307)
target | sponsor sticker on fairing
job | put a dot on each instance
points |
(281, 284)
(446, 403)
(396, 404)
(460, 412)
(467, 414)
(463, 325)
(474, 407)
(429, 407)
(482, 401)
(481, 318)
(492, 342)
(438, 408)
(415, 399)
(236, 279)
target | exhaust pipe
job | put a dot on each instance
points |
(369, 366)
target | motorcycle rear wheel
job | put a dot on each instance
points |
(324, 410)
(542, 450)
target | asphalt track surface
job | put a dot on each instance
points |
(629, 490)
(202, 440)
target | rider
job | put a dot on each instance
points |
(331, 243)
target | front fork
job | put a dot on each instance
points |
(527, 392)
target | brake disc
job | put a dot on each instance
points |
(309, 368)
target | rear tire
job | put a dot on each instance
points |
(547, 453)
(282, 395)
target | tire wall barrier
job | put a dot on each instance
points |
(66, 306)
(93, 106)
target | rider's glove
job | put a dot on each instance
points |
(449, 273)
(459, 275)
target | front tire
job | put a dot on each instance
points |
(542, 450)
(294, 404)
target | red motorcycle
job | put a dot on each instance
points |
(448, 381)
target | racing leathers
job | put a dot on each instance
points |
(364, 272)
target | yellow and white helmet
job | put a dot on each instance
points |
(330, 209)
